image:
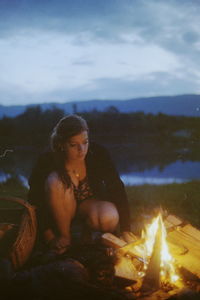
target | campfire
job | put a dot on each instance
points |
(156, 255)
(163, 260)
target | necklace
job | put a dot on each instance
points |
(76, 174)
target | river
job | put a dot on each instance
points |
(176, 172)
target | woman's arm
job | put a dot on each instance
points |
(61, 204)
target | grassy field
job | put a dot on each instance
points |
(182, 200)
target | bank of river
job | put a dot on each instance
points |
(177, 172)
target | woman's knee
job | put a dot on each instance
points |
(104, 218)
(108, 217)
(92, 219)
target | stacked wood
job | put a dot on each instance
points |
(124, 267)
(172, 222)
(111, 240)
(187, 237)
(131, 249)
(184, 244)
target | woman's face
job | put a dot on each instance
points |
(77, 146)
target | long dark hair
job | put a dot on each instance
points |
(66, 128)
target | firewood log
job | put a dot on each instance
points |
(187, 237)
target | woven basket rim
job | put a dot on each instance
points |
(21, 250)
(20, 201)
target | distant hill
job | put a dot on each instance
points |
(185, 105)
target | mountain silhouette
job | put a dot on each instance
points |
(181, 105)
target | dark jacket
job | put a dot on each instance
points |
(102, 175)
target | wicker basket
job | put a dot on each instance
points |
(26, 236)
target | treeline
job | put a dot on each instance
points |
(145, 132)
(31, 128)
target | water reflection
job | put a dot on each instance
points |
(177, 172)
(4, 177)
(20, 163)
(137, 180)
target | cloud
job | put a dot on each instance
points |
(43, 62)
(149, 85)
(55, 15)
(171, 24)
(102, 88)
(51, 49)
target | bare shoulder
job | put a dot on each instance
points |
(53, 180)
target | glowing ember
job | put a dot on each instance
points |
(167, 270)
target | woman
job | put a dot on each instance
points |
(76, 177)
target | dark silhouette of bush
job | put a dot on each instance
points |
(147, 134)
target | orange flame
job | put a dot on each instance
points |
(167, 269)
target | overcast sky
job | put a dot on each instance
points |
(59, 51)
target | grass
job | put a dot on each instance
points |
(182, 200)
(12, 188)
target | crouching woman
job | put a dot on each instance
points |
(77, 177)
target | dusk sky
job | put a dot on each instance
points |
(60, 51)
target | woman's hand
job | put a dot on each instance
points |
(60, 244)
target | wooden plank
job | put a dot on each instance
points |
(172, 221)
(129, 237)
(134, 249)
(191, 259)
(192, 231)
(111, 240)
(168, 225)
(126, 269)
(184, 245)
(176, 249)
